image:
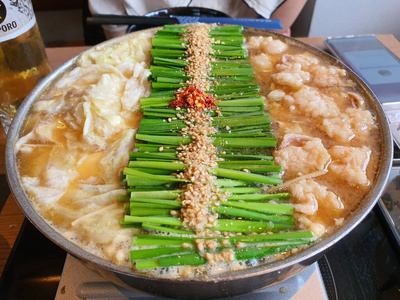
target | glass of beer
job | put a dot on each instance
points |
(23, 60)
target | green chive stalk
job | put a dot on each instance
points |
(244, 142)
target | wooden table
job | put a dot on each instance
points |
(11, 217)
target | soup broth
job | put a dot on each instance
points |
(314, 102)
(80, 132)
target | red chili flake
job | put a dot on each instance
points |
(192, 97)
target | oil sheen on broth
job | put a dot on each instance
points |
(80, 132)
(324, 128)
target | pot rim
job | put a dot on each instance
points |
(313, 251)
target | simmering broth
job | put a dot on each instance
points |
(317, 104)
(81, 131)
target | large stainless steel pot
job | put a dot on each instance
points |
(228, 284)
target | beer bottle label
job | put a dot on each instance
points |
(16, 18)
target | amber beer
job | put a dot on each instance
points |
(23, 61)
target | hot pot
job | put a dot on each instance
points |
(225, 285)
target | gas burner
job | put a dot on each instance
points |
(78, 282)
